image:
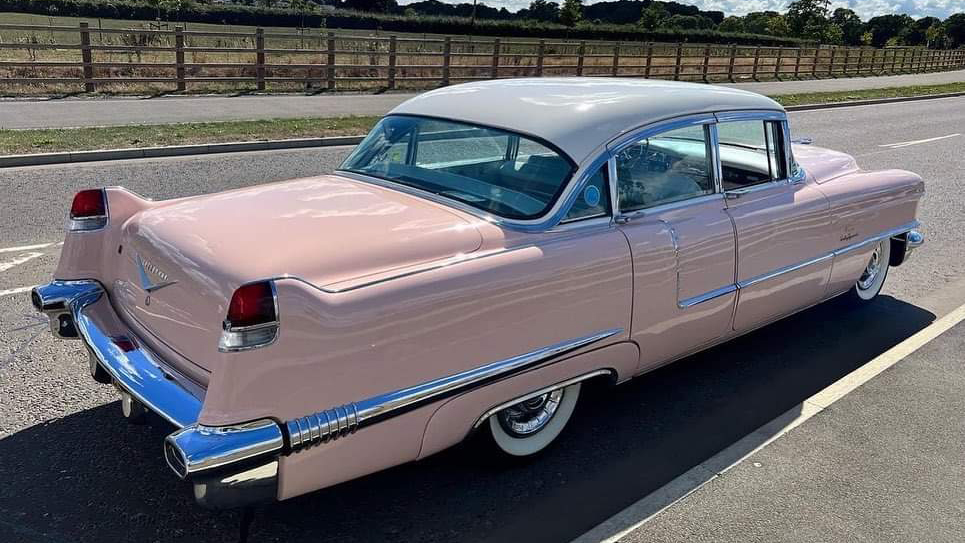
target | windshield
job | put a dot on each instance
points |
(499, 172)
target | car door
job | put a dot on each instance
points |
(782, 223)
(682, 241)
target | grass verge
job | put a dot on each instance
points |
(868, 94)
(117, 137)
(14, 142)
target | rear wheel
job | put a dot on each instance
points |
(874, 274)
(528, 427)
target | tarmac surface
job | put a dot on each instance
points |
(75, 112)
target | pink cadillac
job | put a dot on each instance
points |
(487, 249)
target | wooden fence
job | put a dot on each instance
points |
(31, 57)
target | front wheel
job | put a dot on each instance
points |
(528, 427)
(874, 274)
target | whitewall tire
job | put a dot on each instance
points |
(529, 427)
(873, 277)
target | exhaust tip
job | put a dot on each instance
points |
(175, 459)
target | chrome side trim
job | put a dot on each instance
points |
(707, 296)
(893, 232)
(540, 392)
(781, 271)
(341, 421)
(837, 252)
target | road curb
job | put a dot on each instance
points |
(39, 159)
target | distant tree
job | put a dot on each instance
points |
(571, 12)
(756, 21)
(851, 26)
(936, 36)
(716, 16)
(809, 18)
(377, 6)
(653, 16)
(867, 38)
(731, 24)
(885, 27)
(544, 11)
(954, 27)
(777, 26)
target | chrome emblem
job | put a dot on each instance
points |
(146, 270)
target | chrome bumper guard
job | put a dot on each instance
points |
(906, 244)
(230, 466)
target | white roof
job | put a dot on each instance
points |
(578, 114)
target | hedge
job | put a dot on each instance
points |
(342, 19)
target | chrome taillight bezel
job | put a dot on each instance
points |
(88, 223)
(244, 338)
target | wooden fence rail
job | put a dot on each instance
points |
(326, 60)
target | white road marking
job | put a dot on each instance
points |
(17, 290)
(26, 257)
(638, 514)
(916, 142)
(25, 247)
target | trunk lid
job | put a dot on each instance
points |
(181, 261)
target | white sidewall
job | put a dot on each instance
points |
(873, 290)
(525, 446)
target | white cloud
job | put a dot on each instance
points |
(865, 9)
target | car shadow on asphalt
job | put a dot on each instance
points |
(91, 476)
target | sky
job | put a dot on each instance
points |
(865, 9)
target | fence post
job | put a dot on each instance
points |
(616, 59)
(540, 51)
(260, 58)
(579, 60)
(676, 64)
(814, 64)
(392, 46)
(847, 60)
(86, 56)
(330, 62)
(703, 71)
(904, 59)
(646, 70)
(757, 58)
(179, 56)
(777, 63)
(797, 64)
(730, 63)
(834, 51)
(446, 55)
(495, 69)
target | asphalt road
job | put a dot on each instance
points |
(72, 470)
(74, 112)
(884, 463)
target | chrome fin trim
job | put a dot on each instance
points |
(337, 422)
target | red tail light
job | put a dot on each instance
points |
(88, 210)
(252, 319)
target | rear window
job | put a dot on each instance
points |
(497, 171)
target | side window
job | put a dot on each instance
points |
(671, 166)
(751, 152)
(593, 200)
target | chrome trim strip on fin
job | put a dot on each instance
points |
(307, 431)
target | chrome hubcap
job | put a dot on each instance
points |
(530, 416)
(872, 270)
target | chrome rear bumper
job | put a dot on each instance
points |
(229, 466)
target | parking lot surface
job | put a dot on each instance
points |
(71, 469)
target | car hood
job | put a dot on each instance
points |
(322, 230)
